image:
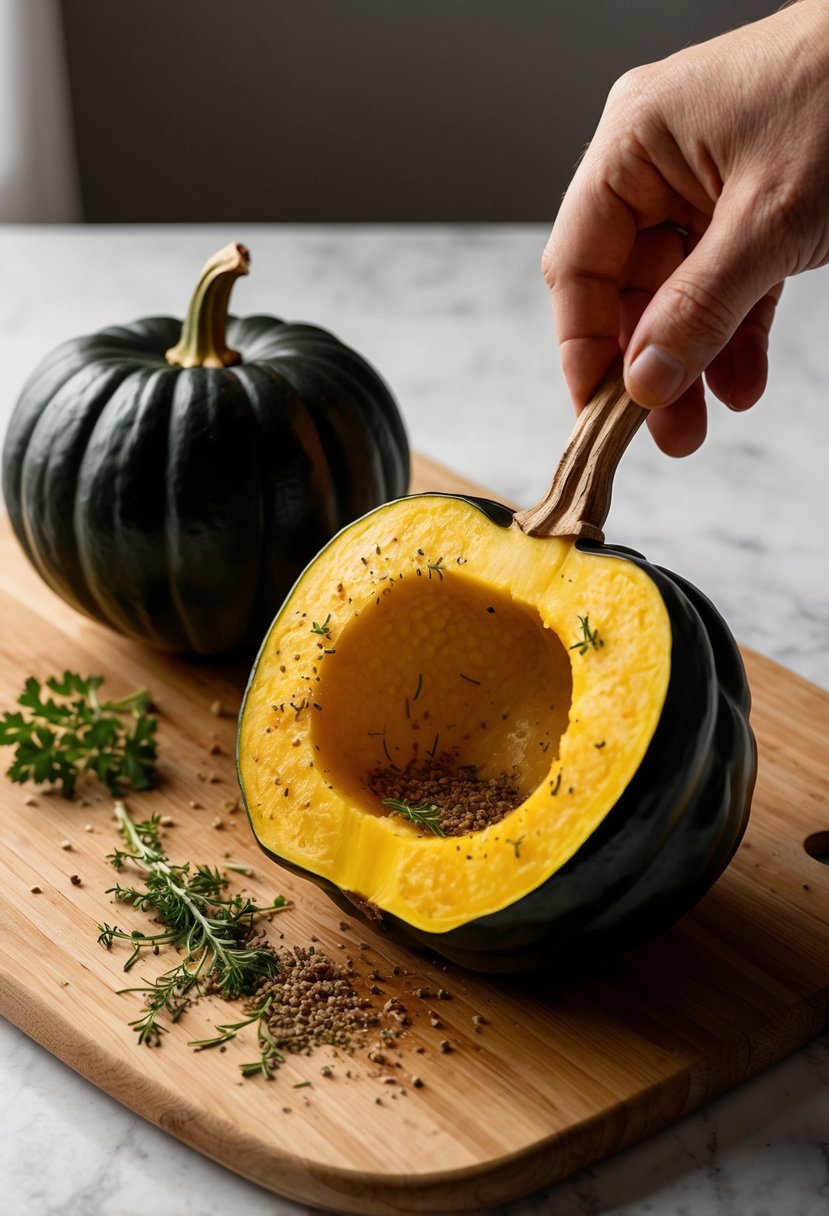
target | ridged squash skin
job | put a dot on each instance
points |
(178, 504)
(655, 850)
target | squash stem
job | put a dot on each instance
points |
(578, 499)
(203, 342)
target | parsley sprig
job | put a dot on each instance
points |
(59, 737)
(214, 932)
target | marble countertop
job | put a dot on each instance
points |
(458, 321)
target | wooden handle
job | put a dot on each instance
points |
(578, 500)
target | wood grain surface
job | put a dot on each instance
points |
(560, 1073)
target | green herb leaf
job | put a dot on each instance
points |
(58, 740)
(590, 637)
(214, 932)
(423, 815)
(270, 1057)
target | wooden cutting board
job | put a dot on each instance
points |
(558, 1075)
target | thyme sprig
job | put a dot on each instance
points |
(423, 815)
(72, 732)
(590, 637)
(324, 630)
(270, 1057)
(215, 932)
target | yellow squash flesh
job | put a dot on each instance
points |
(432, 632)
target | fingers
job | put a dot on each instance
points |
(585, 257)
(681, 429)
(698, 311)
(738, 374)
(656, 254)
(735, 133)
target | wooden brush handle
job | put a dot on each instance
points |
(578, 500)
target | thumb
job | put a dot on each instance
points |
(697, 310)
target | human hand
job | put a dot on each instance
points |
(728, 140)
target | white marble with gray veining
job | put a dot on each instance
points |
(458, 321)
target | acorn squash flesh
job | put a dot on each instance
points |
(435, 631)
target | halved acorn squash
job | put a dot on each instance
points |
(435, 637)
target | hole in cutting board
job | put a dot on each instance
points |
(817, 846)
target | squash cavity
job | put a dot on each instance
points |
(426, 638)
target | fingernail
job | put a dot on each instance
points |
(655, 377)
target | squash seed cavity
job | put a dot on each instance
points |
(443, 706)
(460, 800)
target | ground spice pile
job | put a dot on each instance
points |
(465, 801)
(314, 1002)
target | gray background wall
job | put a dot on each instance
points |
(344, 111)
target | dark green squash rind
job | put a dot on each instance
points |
(188, 533)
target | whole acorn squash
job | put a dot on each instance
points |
(440, 632)
(173, 482)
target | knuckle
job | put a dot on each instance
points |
(703, 315)
(632, 86)
(784, 208)
(553, 259)
(784, 214)
(548, 264)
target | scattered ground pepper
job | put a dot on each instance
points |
(313, 1002)
(466, 802)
